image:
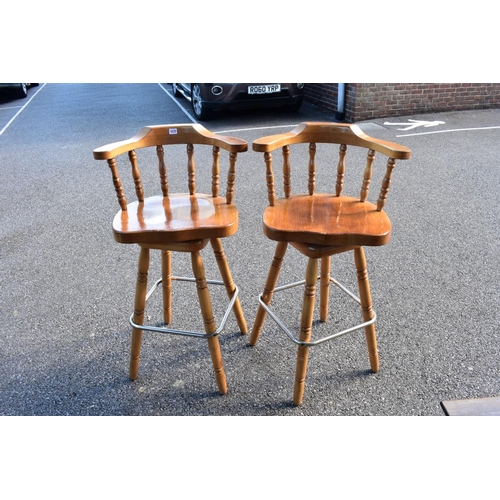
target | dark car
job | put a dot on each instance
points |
(207, 97)
(20, 90)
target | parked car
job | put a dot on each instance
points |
(207, 97)
(20, 89)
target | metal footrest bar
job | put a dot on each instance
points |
(187, 333)
(324, 339)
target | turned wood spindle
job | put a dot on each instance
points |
(367, 308)
(367, 175)
(231, 176)
(136, 174)
(286, 171)
(340, 170)
(312, 168)
(162, 169)
(166, 276)
(191, 169)
(139, 307)
(227, 279)
(269, 287)
(120, 194)
(271, 194)
(215, 171)
(305, 330)
(386, 183)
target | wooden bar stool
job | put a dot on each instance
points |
(320, 225)
(178, 223)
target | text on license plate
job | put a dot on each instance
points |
(264, 89)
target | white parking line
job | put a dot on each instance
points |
(255, 128)
(20, 111)
(448, 131)
(176, 102)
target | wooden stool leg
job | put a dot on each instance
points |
(324, 288)
(366, 304)
(267, 295)
(166, 276)
(225, 272)
(305, 329)
(139, 305)
(208, 320)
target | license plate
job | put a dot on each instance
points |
(264, 89)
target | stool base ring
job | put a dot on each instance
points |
(187, 333)
(324, 339)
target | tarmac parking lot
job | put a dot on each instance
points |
(67, 287)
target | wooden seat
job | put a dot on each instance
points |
(321, 224)
(178, 222)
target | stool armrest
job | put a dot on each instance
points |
(336, 133)
(171, 134)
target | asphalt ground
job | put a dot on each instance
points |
(67, 287)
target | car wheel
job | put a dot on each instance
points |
(199, 108)
(175, 90)
(22, 90)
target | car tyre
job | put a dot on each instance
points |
(200, 109)
(22, 90)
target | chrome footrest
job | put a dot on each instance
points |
(187, 333)
(324, 339)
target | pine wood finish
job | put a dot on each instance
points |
(177, 222)
(320, 224)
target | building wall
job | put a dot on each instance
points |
(365, 101)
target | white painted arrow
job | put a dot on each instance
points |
(415, 124)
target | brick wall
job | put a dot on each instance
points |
(365, 101)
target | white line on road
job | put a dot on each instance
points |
(255, 128)
(20, 111)
(448, 131)
(175, 100)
